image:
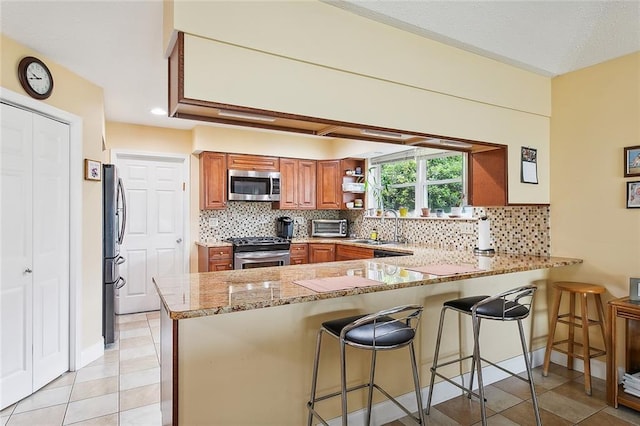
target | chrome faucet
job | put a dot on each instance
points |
(395, 214)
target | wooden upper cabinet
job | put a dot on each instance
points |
(307, 184)
(253, 162)
(488, 178)
(329, 185)
(297, 184)
(213, 180)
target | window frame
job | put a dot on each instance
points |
(421, 185)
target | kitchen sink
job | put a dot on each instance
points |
(371, 242)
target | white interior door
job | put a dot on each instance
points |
(153, 242)
(50, 250)
(16, 282)
(34, 277)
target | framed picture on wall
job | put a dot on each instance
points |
(92, 169)
(633, 195)
(632, 161)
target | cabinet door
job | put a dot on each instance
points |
(488, 178)
(213, 180)
(322, 252)
(288, 184)
(299, 254)
(306, 184)
(253, 162)
(352, 253)
(328, 185)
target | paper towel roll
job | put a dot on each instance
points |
(483, 234)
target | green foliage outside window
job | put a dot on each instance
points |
(393, 175)
(443, 184)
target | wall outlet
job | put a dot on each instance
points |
(298, 220)
(466, 228)
(213, 222)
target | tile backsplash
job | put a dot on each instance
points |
(514, 229)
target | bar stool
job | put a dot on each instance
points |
(588, 352)
(382, 331)
(511, 305)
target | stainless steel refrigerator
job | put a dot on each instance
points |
(114, 222)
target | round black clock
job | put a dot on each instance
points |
(35, 77)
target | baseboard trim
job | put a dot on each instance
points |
(90, 354)
(387, 411)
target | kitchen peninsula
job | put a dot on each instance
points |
(228, 360)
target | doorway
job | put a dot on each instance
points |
(156, 231)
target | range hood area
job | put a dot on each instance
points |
(235, 115)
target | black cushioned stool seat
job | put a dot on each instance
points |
(511, 305)
(382, 331)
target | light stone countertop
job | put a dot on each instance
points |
(212, 293)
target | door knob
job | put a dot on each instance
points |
(28, 271)
(179, 240)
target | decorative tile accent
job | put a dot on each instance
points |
(255, 219)
(514, 229)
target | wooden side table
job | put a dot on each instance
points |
(630, 312)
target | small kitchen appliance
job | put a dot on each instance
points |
(284, 227)
(329, 228)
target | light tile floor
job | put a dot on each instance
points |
(121, 388)
(561, 400)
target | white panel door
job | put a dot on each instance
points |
(50, 250)
(16, 280)
(153, 242)
(34, 276)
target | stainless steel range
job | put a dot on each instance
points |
(260, 252)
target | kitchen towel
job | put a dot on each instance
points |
(445, 269)
(336, 283)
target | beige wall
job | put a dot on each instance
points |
(137, 138)
(596, 114)
(78, 96)
(387, 78)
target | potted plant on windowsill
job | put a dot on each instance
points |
(456, 211)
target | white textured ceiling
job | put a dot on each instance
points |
(118, 44)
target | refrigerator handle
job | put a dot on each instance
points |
(123, 224)
(120, 283)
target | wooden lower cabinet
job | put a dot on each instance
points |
(322, 252)
(623, 309)
(299, 253)
(215, 258)
(352, 253)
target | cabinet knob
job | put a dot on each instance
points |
(28, 271)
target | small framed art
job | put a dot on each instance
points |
(632, 161)
(92, 169)
(633, 195)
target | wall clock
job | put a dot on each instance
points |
(35, 77)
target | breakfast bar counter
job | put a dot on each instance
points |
(237, 346)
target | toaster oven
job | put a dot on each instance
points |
(329, 228)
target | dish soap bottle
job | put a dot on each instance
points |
(374, 234)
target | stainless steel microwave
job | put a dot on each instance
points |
(248, 185)
(329, 228)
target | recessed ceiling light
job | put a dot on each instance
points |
(159, 111)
